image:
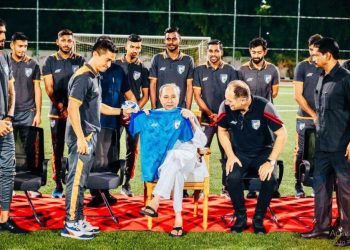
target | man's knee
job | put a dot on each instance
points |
(234, 178)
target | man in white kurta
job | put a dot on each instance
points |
(181, 162)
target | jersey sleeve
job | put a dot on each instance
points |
(196, 78)
(144, 77)
(47, 70)
(222, 119)
(136, 123)
(276, 76)
(36, 74)
(233, 74)
(79, 88)
(190, 69)
(186, 131)
(272, 118)
(153, 71)
(299, 73)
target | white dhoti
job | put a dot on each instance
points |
(181, 163)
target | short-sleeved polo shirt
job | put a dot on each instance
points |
(84, 88)
(137, 75)
(212, 83)
(167, 70)
(260, 81)
(252, 133)
(5, 76)
(61, 70)
(307, 73)
(26, 73)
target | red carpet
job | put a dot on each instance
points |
(287, 210)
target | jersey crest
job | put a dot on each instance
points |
(136, 75)
(28, 72)
(267, 78)
(256, 124)
(180, 69)
(223, 78)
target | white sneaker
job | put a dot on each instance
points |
(76, 231)
(313, 193)
(34, 194)
(89, 228)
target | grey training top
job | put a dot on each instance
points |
(5, 77)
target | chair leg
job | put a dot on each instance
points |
(115, 219)
(195, 199)
(205, 211)
(274, 217)
(149, 191)
(36, 216)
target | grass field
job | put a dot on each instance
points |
(152, 240)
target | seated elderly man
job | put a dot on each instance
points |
(253, 137)
(179, 161)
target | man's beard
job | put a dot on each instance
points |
(257, 60)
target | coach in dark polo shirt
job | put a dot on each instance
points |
(26, 72)
(253, 137)
(332, 156)
(172, 66)
(209, 85)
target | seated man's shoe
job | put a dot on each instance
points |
(343, 241)
(251, 195)
(299, 192)
(96, 201)
(224, 193)
(240, 224)
(57, 193)
(35, 194)
(11, 227)
(337, 229)
(258, 225)
(316, 234)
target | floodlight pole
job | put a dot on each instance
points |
(298, 31)
(234, 31)
(169, 13)
(103, 16)
(37, 30)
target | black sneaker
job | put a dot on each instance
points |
(258, 225)
(276, 194)
(251, 195)
(240, 224)
(95, 202)
(185, 194)
(11, 227)
(299, 192)
(111, 199)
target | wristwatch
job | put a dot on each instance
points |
(272, 162)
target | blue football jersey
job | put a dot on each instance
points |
(158, 133)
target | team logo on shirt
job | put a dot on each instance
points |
(309, 74)
(136, 75)
(256, 124)
(162, 69)
(57, 71)
(301, 126)
(180, 69)
(154, 124)
(28, 71)
(267, 78)
(249, 79)
(204, 79)
(52, 123)
(177, 124)
(75, 67)
(223, 77)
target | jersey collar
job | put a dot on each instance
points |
(251, 65)
(179, 57)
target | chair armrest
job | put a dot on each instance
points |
(64, 169)
(44, 173)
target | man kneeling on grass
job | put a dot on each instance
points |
(176, 134)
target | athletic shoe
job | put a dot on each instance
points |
(225, 194)
(299, 192)
(57, 193)
(76, 230)
(185, 194)
(313, 193)
(34, 194)
(88, 227)
(11, 227)
(126, 190)
(251, 195)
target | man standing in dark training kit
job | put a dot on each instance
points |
(172, 66)
(305, 80)
(137, 76)
(83, 125)
(26, 72)
(332, 156)
(209, 85)
(57, 70)
(7, 143)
